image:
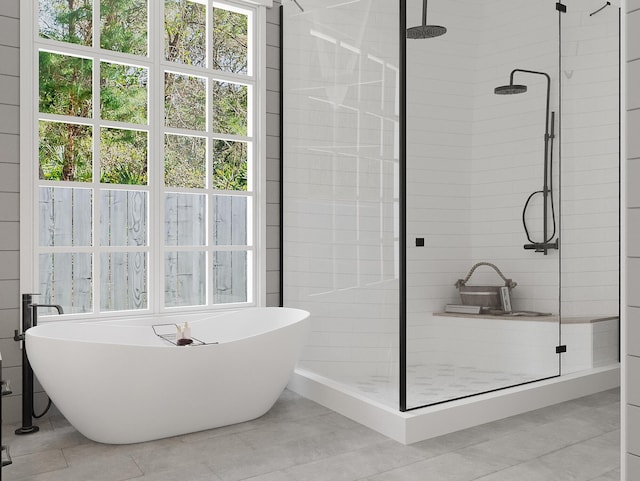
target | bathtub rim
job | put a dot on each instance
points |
(52, 329)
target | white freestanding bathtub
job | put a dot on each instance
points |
(118, 382)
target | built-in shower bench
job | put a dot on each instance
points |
(526, 341)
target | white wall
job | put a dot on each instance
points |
(590, 161)
(441, 73)
(508, 149)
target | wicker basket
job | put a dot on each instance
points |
(483, 296)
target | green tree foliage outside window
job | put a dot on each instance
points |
(65, 151)
(229, 108)
(230, 41)
(123, 93)
(185, 27)
(65, 84)
(123, 156)
(66, 89)
(66, 20)
(185, 101)
(95, 127)
(229, 165)
(124, 26)
(185, 161)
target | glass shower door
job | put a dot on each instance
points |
(590, 263)
(474, 161)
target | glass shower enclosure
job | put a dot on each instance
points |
(342, 188)
(436, 192)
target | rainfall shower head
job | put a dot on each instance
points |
(424, 30)
(510, 89)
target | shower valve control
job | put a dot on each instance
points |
(419, 241)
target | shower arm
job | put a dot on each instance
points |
(548, 136)
(534, 72)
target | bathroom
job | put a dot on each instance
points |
(541, 274)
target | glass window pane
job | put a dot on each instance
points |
(123, 26)
(230, 41)
(123, 281)
(185, 219)
(185, 27)
(67, 279)
(229, 276)
(229, 165)
(123, 93)
(65, 216)
(230, 220)
(66, 21)
(123, 218)
(65, 84)
(185, 161)
(185, 102)
(123, 156)
(65, 151)
(229, 108)
(185, 279)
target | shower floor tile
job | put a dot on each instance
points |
(430, 384)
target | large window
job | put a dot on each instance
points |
(146, 153)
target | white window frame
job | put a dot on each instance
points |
(256, 282)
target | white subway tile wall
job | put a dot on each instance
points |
(341, 191)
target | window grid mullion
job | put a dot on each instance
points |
(156, 51)
(95, 180)
(210, 276)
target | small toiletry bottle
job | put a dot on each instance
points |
(186, 331)
(179, 333)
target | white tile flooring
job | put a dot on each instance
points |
(301, 440)
(434, 383)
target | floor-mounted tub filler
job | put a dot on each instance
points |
(122, 381)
